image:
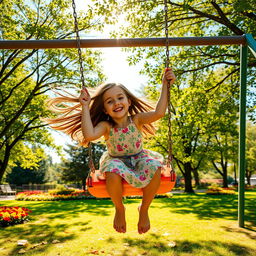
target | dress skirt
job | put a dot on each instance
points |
(137, 169)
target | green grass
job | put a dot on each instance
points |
(200, 225)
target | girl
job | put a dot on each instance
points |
(119, 116)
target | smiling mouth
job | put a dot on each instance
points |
(118, 109)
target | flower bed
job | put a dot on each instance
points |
(42, 196)
(13, 215)
(250, 187)
(214, 190)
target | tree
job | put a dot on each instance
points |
(214, 68)
(76, 168)
(196, 119)
(250, 152)
(26, 75)
(222, 154)
(19, 175)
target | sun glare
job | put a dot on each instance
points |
(118, 70)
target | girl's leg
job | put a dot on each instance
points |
(115, 190)
(148, 195)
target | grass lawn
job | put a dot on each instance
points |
(200, 225)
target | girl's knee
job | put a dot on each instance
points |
(113, 177)
(158, 172)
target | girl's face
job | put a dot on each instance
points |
(116, 103)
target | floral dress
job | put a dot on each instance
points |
(127, 158)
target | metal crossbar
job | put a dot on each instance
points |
(124, 42)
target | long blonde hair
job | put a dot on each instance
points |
(68, 118)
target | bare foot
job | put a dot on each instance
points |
(119, 220)
(144, 222)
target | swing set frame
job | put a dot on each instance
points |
(245, 41)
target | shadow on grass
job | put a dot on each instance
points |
(250, 210)
(250, 233)
(39, 235)
(155, 244)
(52, 221)
(209, 207)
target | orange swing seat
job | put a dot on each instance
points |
(96, 184)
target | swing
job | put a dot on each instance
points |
(96, 182)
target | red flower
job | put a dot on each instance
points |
(119, 148)
(142, 177)
(138, 143)
(115, 170)
(125, 130)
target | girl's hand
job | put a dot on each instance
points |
(168, 76)
(84, 97)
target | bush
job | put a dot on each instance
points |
(61, 190)
(216, 190)
(13, 215)
(34, 196)
(250, 187)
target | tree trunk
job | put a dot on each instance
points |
(225, 177)
(196, 177)
(84, 185)
(188, 178)
(235, 172)
(4, 163)
(248, 175)
(2, 170)
(223, 173)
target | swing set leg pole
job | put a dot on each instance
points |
(242, 134)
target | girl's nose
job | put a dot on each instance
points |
(116, 102)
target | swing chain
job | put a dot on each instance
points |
(167, 64)
(78, 44)
(91, 163)
(167, 60)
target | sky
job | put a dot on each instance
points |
(117, 69)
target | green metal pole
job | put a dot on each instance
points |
(242, 133)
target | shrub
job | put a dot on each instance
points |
(250, 187)
(216, 190)
(13, 215)
(61, 190)
(74, 195)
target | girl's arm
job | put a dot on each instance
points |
(152, 116)
(90, 132)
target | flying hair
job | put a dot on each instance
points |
(68, 111)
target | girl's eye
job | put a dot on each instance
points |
(120, 98)
(109, 102)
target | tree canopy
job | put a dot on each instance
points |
(26, 75)
(76, 167)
